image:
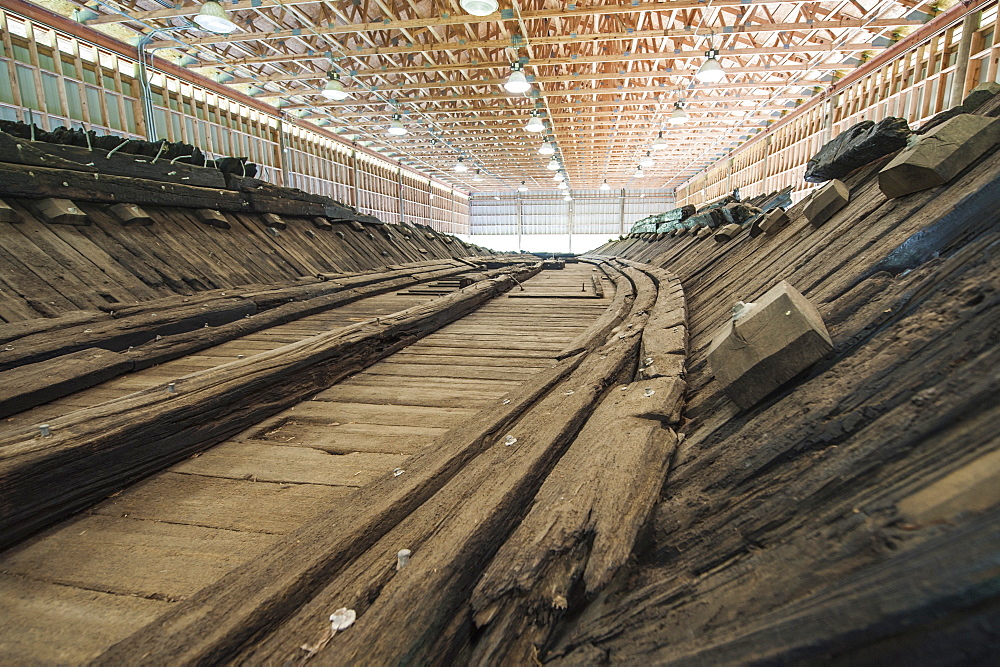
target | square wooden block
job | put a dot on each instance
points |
(782, 335)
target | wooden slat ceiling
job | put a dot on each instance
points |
(605, 74)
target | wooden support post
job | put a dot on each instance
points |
(958, 84)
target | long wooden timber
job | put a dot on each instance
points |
(373, 422)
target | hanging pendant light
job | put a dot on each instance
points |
(639, 173)
(479, 7)
(567, 197)
(546, 148)
(517, 83)
(562, 185)
(678, 115)
(334, 89)
(212, 17)
(646, 160)
(535, 123)
(460, 166)
(553, 165)
(710, 71)
(659, 143)
(478, 177)
(522, 187)
(559, 176)
(396, 127)
(605, 186)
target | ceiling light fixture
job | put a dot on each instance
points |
(460, 166)
(567, 197)
(396, 127)
(553, 165)
(605, 186)
(479, 7)
(546, 148)
(562, 185)
(639, 172)
(517, 83)
(646, 160)
(678, 115)
(334, 89)
(710, 71)
(522, 187)
(478, 176)
(212, 17)
(659, 143)
(535, 123)
(559, 176)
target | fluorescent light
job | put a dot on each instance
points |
(212, 17)
(710, 71)
(516, 82)
(479, 7)
(396, 127)
(646, 160)
(334, 89)
(553, 165)
(535, 124)
(546, 148)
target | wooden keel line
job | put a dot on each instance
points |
(270, 604)
(590, 511)
(96, 451)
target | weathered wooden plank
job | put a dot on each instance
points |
(88, 621)
(216, 502)
(177, 560)
(121, 333)
(28, 385)
(41, 182)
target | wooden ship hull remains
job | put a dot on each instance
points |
(250, 427)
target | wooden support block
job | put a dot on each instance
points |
(7, 214)
(130, 214)
(273, 220)
(430, 237)
(322, 223)
(782, 335)
(703, 232)
(939, 156)
(213, 218)
(423, 250)
(826, 201)
(773, 221)
(61, 211)
(727, 233)
(448, 239)
(357, 226)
